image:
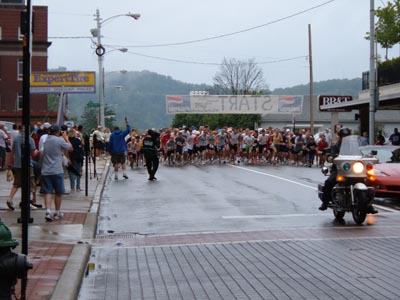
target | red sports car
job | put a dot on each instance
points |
(387, 170)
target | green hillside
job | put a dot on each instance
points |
(329, 87)
(140, 96)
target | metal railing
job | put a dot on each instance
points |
(386, 76)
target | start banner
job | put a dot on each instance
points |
(67, 82)
(233, 104)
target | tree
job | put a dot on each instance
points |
(109, 117)
(388, 25)
(90, 116)
(52, 102)
(239, 78)
(234, 78)
(215, 121)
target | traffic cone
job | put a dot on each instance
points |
(370, 219)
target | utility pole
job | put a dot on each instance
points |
(26, 29)
(372, 75)
(311, 81)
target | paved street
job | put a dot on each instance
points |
(233, 232)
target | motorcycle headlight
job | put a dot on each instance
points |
(358, 167)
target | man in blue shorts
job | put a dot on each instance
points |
(52, 170)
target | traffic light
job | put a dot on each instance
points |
(24, 22)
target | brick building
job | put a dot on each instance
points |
(11, 63)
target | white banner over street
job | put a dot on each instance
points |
(231, 104)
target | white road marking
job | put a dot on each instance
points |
(269, 216)
(301, 184)
(386, 208)
(299, 215)
(274, 176)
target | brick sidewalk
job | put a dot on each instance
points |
(53, 244)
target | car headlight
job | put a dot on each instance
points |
(358, 167)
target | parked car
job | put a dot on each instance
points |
(7, 125)
(387, 171)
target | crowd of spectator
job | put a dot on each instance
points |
(56, 153)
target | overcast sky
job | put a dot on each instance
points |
(281, 46)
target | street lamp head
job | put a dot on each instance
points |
(123, 50)
(135, 16)
(94, 32)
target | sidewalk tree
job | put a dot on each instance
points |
(90, 116)
(52, 102)
(109, 116)
(388, 25)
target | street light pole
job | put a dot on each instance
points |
(100, 54)
(372, 75)
(100, 51)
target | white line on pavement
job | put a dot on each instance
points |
(297, 215)
(301, 184)
(274, 176)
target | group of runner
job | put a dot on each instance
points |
(234, 145)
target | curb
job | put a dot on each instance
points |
(68, 285)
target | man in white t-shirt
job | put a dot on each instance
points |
(3, 142)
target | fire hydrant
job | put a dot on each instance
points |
(13, 266)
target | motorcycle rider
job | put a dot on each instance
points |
(331, 181)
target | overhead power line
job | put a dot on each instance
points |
(207, 38)
(214, 63)
(69, 37)
(232, 33)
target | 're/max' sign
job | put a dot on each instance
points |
(333, 100)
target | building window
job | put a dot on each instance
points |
(19, 101)
(20, 71)
(20, 35)
(0, 34)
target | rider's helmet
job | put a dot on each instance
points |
(344, 132)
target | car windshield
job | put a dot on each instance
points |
(383, 154)
(350, 146)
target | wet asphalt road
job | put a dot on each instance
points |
(236, 232)
(212, 198)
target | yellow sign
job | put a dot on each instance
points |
(67, 82)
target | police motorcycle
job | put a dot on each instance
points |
(352, 168)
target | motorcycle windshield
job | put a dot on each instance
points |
(350, 146)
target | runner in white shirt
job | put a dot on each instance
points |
(248, 141)
(189, 145)
(234, 142)
(262, 143)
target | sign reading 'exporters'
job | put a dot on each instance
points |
(67, 82)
